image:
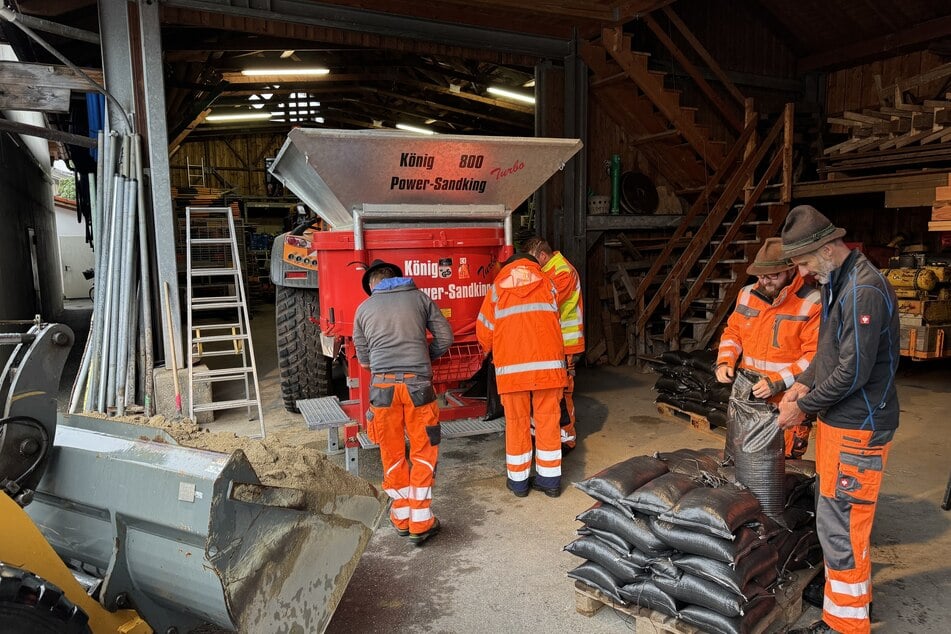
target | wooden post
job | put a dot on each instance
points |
(674, 301)
(749, 118)
(788, 122)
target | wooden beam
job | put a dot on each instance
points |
(181, 136)
(36, 98)
(704, 54)
(48, 75)
(236, 78)
(497, 103)
(728, 113)
(47, 133)
(441, 106)
(878, 48)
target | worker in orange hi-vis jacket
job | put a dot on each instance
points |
(389, 334)
(773, 332)
(518, 323)
(571, 314)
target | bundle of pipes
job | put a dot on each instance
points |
(116, 370)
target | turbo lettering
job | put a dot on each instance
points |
(409, 183)
(500, 173)
(459, 184)
(412, 159)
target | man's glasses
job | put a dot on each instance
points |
(772, 277)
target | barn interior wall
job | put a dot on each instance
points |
(26, 202)
(233, 162)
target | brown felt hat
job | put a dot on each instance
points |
(376, 265)
(770, 259)
(806, 230)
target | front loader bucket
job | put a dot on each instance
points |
(188, 536)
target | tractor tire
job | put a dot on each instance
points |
(30, 604)
(305, 371)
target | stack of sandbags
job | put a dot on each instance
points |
(673, 533)
(687, 382)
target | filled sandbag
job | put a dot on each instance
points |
(614, 561)
(621, 479)
(598, 578)
(607, 537)
(798, 549)
(755, 443)
(633, 528)
(689, 462)
(719, 512)
(647, 595)
(693, 590)
(670, 385)
(760, 564)
(703, 360)
(660, 494)
(714, 623)
(693, 542)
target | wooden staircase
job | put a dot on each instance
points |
(699, 283)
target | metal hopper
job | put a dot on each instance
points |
(337, 171)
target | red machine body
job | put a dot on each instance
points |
(454, 267)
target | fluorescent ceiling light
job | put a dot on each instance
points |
(318, 119)
(529, 84)
(511, 94)
(413, 128)
(242, 116)
(258, 72)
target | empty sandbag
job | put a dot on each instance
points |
(717, 417)
(597, 577)
(690, 541)
(633, 528)
(756, 443)
(647, 595)
(623, 478)
(805, 467)
(716, 512)
(689, 462)
(797, 486)
(760, 564)
(660, 494)
(693, 590)
(797, 517)
(709, 621)
(611, 559)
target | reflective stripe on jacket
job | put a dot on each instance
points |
(776, 339)
(519, 324)
(570, 308)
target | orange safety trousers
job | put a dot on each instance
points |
(568, 433)
(520, 408)
(850, 464)
(393, 417)
(795, 438)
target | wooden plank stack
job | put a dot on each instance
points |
(941, 208)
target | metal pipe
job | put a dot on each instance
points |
(108, 324)
(132, 348)
(358, 230)
(509, 233)
(145, 271)
(48, 26)
(81, 382)
(125, 294)
(101, 246)
(115, 304)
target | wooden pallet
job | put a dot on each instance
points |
(696, 420)
(646, 621)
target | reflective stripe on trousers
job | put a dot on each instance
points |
(567, 419)
(849, 464)
(410, 483)
(520, 408)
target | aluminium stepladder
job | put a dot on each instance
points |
(212, 255)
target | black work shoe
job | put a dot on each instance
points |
(550, 492)
(819, 627)
(566, 449)
(519, 493)
(402, 532)
(419, 538)
(814, 593)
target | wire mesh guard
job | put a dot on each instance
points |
(460, 362)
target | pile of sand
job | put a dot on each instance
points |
(285, 458)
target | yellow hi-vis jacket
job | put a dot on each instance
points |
(777, 339)
(570, 309)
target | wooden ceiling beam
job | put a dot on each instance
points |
(264, 80)
(441, 106)
(497, 103)
(878, 48)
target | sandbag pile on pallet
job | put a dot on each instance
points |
(675, 533)
(687, 382)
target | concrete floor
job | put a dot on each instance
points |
(498, 565)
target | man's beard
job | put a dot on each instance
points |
(825, 268)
